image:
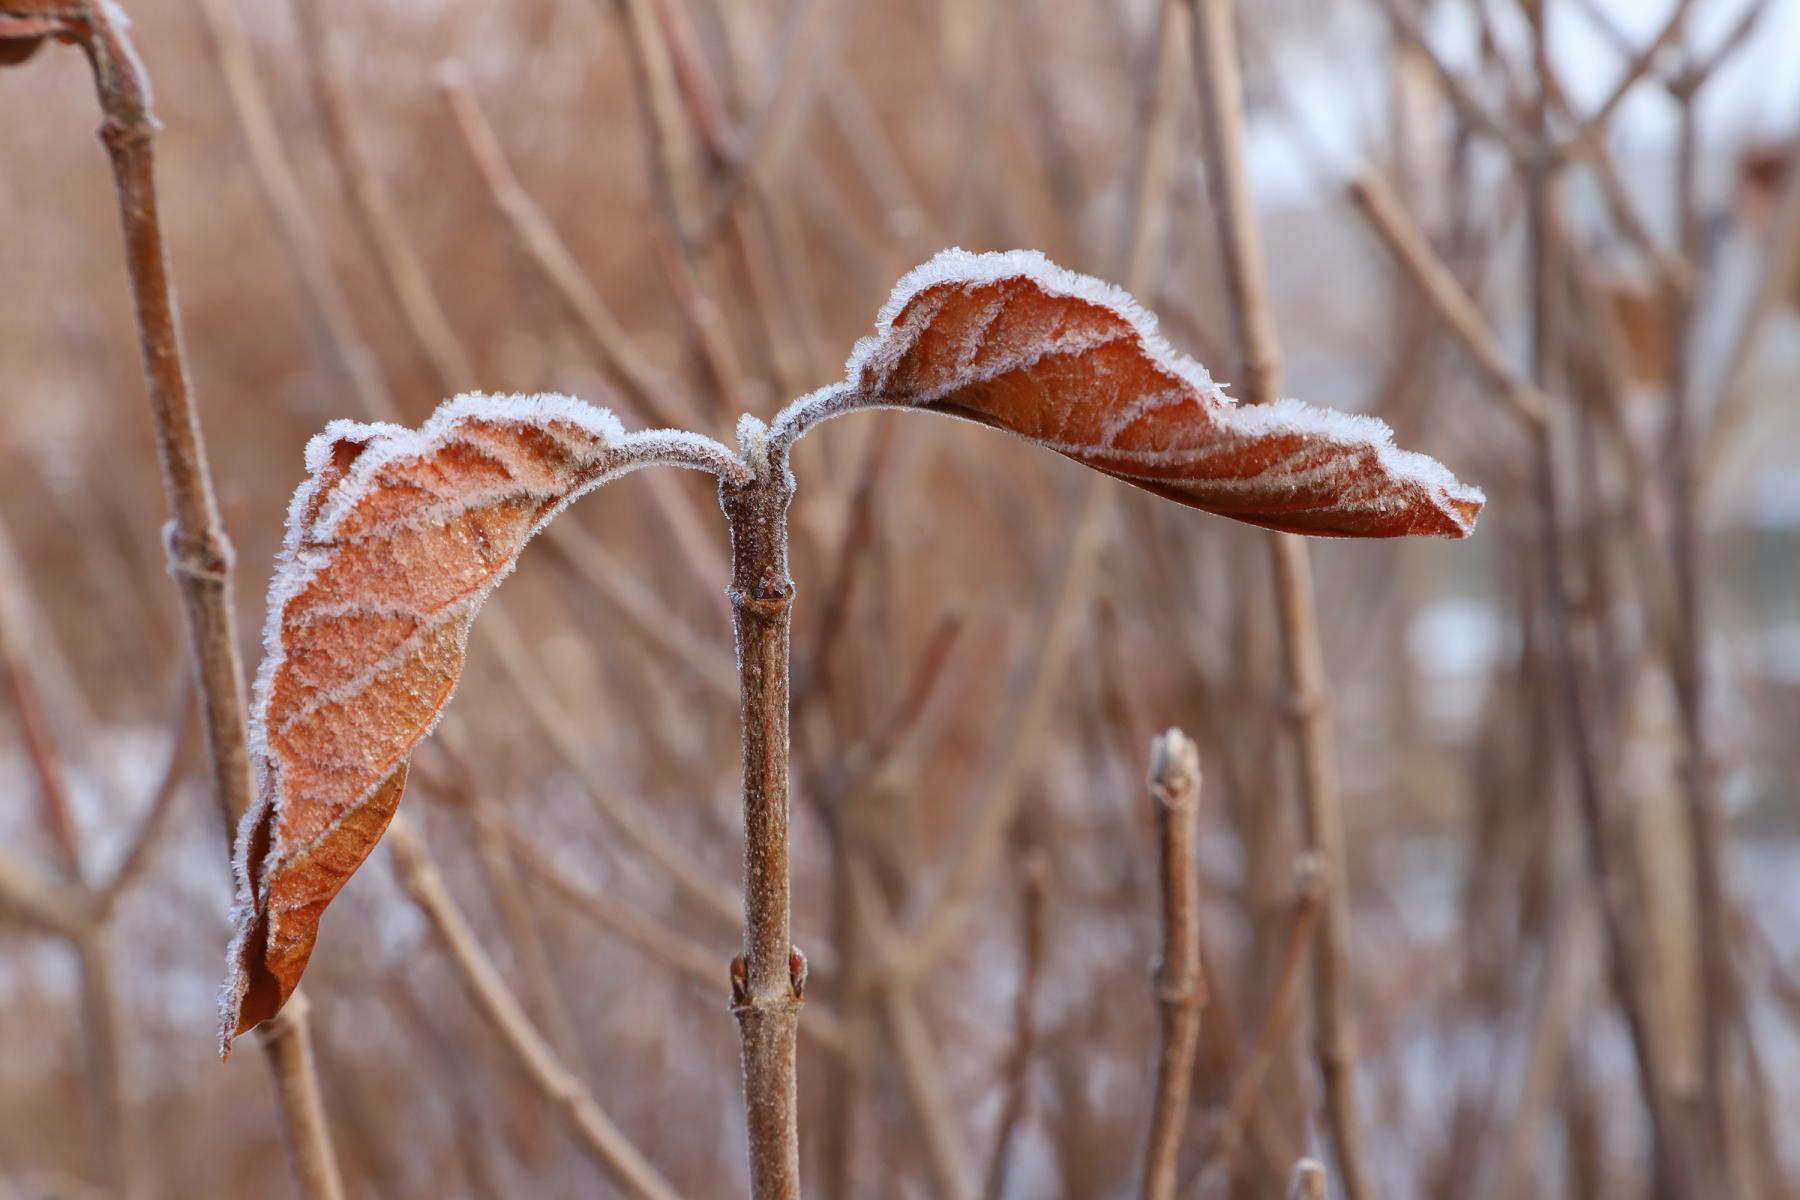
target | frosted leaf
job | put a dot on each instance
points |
(1075, 364)
(392, 545)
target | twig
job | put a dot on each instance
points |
(409, 288)
(40, 748)
(1180, 982)
(1687, 668)
(1035, 877)
(423, 315)
(142, 843)
(668, 143)
(1572, 929)
(648, 388)
(692, 878)
(300, 237)
(60, 908)
(102, 1047)
(527, 951)
(199, 553)
(937, 914)
(1779, 262)
(1156, 151)
(674, 949)
(598, 1135)
(1381, 208)
(1246, 1091)
(922, 1077)
(921, 1074)
(668, 946)
(795, 80)
(1308, 1181)
(1673, 1166)
(1468, 107)
(701, 314)
(649, 617)
(1452, 306)
(1593, 127)
(287, 1041)
(1221, 102)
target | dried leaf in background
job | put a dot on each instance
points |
(1076, 365)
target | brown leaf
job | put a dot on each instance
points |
(392, 546)
(21, 36)
(1642, 317)
(1074, 364)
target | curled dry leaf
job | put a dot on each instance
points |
(1076, 365)
(392, 545)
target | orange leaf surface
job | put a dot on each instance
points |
(392, 545)
(1075, 365)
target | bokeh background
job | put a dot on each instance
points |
(687, 209)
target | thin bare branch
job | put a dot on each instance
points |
(409, 288)
(1247, 1089)
(649, 617)
(1456, 89)
(199, 554)
(1180, 981)
(1034, 875)
(60, 908)
(937, 913)
(1308, 1181)
(1428, 272)
(1221, 103)
(695, 880)
(921, 1074)
(324, 303)
(647, 387)
(601, 1139)
(141, 845)
(793, 83)
(1780, 260)
(1593, 128)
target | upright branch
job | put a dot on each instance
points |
(1221, 102)
(199, 553)
(1180, 980)
(768, 979)
(1706, 835)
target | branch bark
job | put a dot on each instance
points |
(1180, 981)
(1221, 103)
(768, 979)
(199, 553)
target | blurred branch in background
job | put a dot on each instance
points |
(1259, 356)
